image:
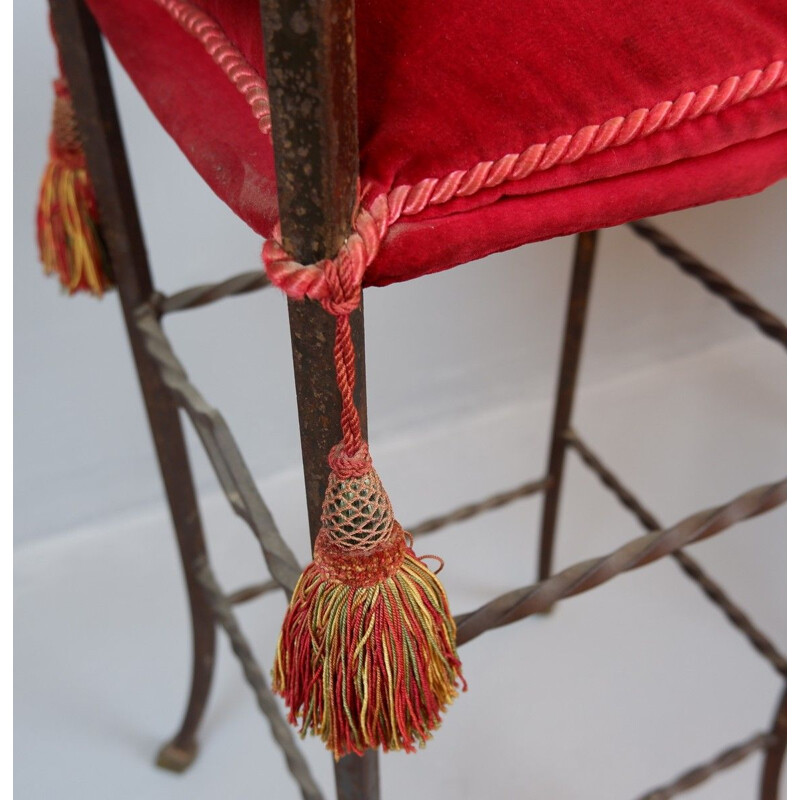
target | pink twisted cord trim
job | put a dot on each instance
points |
(591, 139)
(249, 83)
(372, 223)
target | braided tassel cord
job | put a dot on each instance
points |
(367, 653)
(67, 229)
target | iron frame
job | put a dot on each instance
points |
(318, 118)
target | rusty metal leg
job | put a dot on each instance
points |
(309, 48)
(319, 406)
(583, 266)
(87, 73)
(773, 761)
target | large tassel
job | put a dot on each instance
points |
(367, 652)
(67, 226)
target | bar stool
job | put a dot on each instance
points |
(365, 179)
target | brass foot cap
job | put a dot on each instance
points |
(176, 758)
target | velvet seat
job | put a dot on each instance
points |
(486, 125)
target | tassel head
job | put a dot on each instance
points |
(67, 227)
(366, 656)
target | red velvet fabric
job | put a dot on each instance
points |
(445, 86)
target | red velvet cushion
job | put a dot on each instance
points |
(483, 124)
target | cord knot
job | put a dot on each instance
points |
(334, 282)
(350, 466)
(344, 284)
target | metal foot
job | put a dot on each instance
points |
(176, 757)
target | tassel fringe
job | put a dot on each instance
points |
(70, 244)
(368, 666)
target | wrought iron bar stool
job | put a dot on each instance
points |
(309, 49)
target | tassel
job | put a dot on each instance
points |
(367, 653)
(67, 225)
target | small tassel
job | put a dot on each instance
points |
(67, 227)
(367, 652)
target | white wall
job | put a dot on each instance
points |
(482, 334)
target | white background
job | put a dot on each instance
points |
(682, 395)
